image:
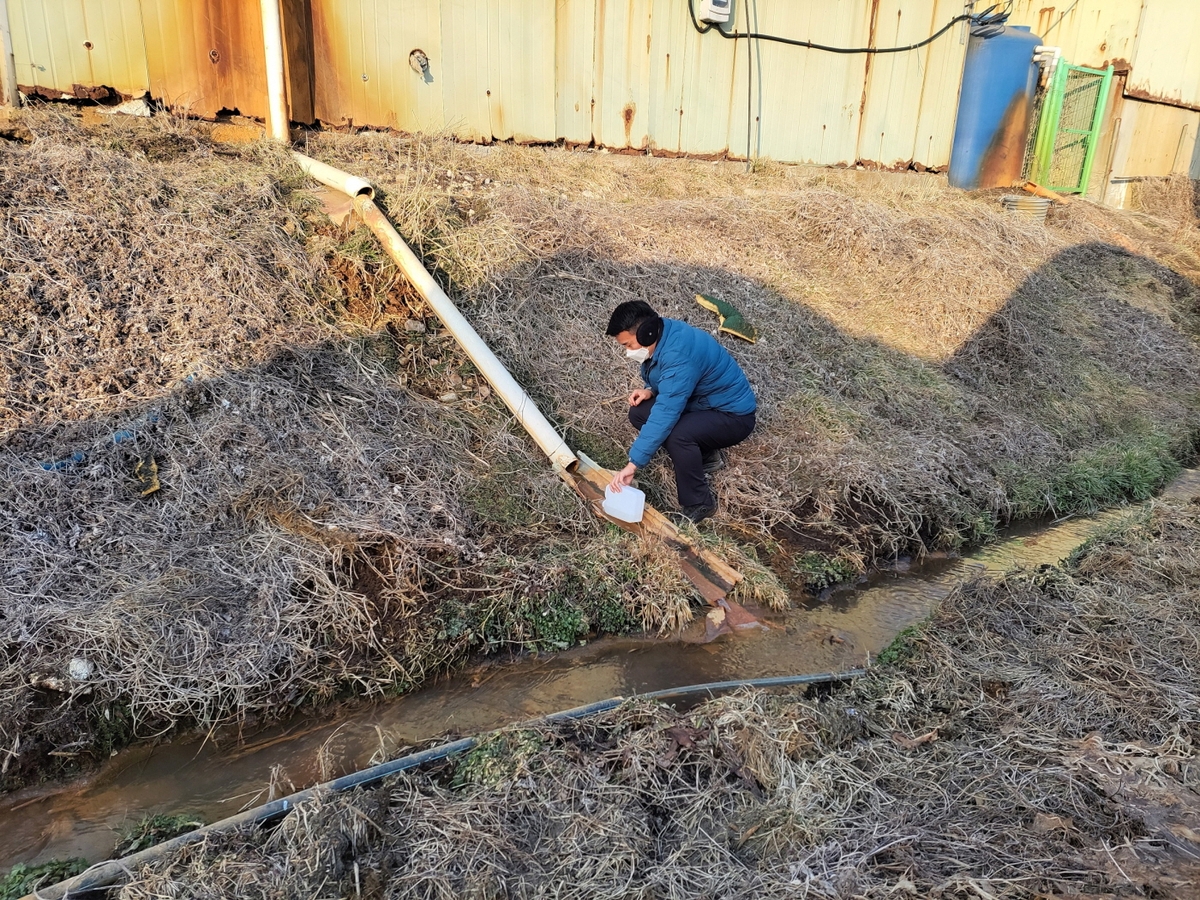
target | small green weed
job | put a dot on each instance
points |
(22, 879)
(820, 570)
(500, 502)
(902, 647)
(1111, 474)
(151, 830)
(112, 729)
(557, 624)
(497, 758)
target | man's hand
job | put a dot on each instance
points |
(641, 395)
(624, 478)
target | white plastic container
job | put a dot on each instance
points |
(626, 506)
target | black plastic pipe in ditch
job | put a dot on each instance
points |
(106, 874)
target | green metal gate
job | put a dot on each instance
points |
(1072, 112)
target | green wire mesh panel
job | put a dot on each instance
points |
(1027, 167)
(1074, 140)
(1069, 128)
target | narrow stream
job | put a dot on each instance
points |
(216, 779)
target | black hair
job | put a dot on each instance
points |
(629, 315)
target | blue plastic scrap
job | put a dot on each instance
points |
(119, 437)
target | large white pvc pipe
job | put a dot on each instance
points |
(9, 95)
(513, 395)
(278, 120)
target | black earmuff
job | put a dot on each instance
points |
(649, 331)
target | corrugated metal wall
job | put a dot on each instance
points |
(61, 44)
(1089, 32)
(1166, 63)
(630, 74)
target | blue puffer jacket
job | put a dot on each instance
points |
(688, 371)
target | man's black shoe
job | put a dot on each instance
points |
(713, 461)
(694, 514)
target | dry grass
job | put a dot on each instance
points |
(324, 522)
(929, 367)
(1037, 738)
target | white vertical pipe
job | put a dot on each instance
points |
(277, 124)
(9, 95)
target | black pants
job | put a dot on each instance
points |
(694, 435)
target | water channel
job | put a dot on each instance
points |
(214, 779)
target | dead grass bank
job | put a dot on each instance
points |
(1037, 739)
(929, 365)
(344, 507)
(176, 314)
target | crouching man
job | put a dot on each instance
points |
(696, 401)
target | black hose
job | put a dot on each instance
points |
(105, 874)
(989, 16)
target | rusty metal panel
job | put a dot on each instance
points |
(1092, 33)
(491, 66)
(72, 45)
(1166, 62)
(367, 64)
(206, 56)
(574, 52)
(911, 97)
(807, 103)
(1154, 140)
(298, 58)
(622, 74)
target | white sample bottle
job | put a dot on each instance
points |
(626, 506)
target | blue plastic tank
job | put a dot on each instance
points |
(995, 107)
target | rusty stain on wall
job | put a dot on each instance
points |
(207, 57)
(1149, 97)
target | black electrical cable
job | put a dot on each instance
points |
(989, 16)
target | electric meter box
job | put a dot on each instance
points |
(716, 12)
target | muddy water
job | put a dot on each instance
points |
(216, 779)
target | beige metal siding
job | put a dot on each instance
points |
(622, 79)
(1166, 63)
(628, 74)
(59, 44)
(708, 91)
(911, 97)
(809, 102)
(1089, 32)
(1154, 140)
(668, 48)
(574, 52)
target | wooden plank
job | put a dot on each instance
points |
(712, 577)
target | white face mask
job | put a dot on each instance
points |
(641, 354)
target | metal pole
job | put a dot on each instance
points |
(277, 124)
(9, 95)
